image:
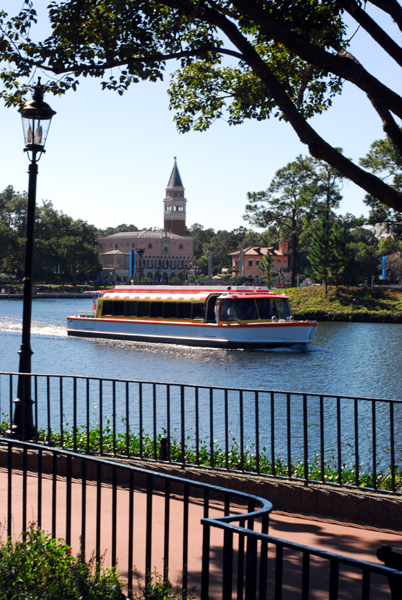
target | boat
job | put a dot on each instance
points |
(219, 317)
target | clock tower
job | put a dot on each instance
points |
(174, 204)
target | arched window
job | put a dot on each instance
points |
(116, 246)
(180, 246)
(133, 245)
(165, 249)
(149, 246)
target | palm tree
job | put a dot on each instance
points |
(265, 265)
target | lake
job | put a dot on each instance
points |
(346, 359)
(354, 359)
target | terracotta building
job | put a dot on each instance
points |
(245, 262)
(161, 254)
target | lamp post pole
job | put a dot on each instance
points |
(36, 117)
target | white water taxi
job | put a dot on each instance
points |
(220, 317)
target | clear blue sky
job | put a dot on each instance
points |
(109, 158)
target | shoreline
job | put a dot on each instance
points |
(59, 295)
(348, 305)
(357, 317)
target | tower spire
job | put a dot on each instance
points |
(174, 214)
(175, 179)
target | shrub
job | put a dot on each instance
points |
(157, 589)
(240, 280)
(39, 567)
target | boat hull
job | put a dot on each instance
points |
(231, 336)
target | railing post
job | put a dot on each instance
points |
(393, 560)
(205, 560)
(164, 449)
(227, 571)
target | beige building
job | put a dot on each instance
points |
(245, 262)
(160, 255)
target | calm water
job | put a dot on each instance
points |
(346, 359)
(362, 359)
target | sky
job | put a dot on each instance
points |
(109, 157)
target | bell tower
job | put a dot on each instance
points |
(174, 204)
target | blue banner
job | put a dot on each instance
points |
(384, 261)
(384, 264)
(133, 255)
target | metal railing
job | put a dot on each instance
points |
(255, 563)
(215, 539)
(139, 518)
(337, 440)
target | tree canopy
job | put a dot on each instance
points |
(384, 160)
(63, 245)
(240, 59)
(299, 193)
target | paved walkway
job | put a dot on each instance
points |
(354, 541)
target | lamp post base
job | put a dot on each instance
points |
(22, 427)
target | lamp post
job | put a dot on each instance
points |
(36, 117)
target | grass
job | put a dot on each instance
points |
(144, 446)
(377, 304)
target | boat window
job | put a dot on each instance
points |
(156, 310)
(107, 308)
(131, 308)
(143, 309)
(266, 308)
(228, 310)
(283, 308)
(246, 309)
(198, 311)
(170, 310)
(118, 308)
(210, 316)
(184, 310)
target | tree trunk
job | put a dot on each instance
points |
(294, 248)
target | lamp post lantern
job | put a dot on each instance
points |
(36, 117)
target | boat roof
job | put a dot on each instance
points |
(153, 295)
(185, 293)
(188, 289)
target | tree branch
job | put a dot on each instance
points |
(155, 58)
(313, 54)
(392, 7)
(305, 79)
(318, 147)
(389, 125)
(376, 32)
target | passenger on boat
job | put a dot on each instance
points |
(228, 310)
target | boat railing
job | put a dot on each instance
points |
(86, 314)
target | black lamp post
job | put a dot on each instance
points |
(36, 117)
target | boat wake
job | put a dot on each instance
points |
(294, 349)
(37, 328)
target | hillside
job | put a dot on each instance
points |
(366, 304)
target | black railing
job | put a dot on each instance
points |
(215, 539)
(337, 440)
(139, 518)
(255, 562)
